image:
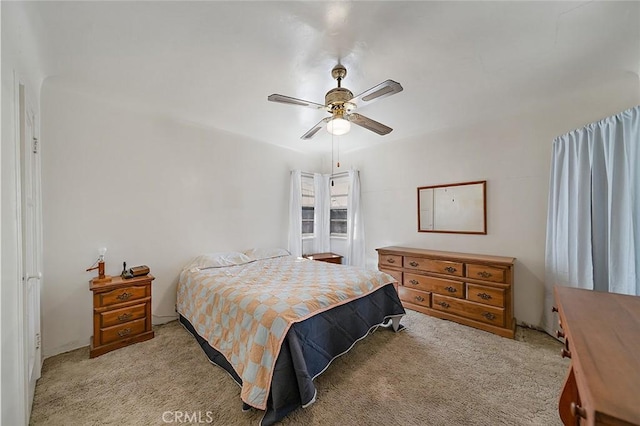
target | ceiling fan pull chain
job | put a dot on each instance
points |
(331, 159)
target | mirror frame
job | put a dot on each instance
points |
(483, 187)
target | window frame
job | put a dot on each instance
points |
(341, 181)
(309, 205)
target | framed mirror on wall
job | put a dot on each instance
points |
(457, 208)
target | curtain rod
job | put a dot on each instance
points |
(309, 174)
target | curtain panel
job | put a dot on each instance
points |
(322, 213)
(355, 223)
(295, 214)
(593, 218)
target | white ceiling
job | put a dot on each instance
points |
(215, 63)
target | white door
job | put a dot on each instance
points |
(31, 243)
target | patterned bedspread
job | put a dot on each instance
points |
(245, 311)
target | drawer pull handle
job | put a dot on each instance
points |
(443, 304)
(484, 296)
(450, 289)
(489, 316)
(420, 298)
(484, 274)
(414, 264)
(124, 296)
(124, 332)
(450, 269)
(391, 260)
(124, 316)
(554, 309)
(565, 353)
(414, 282)
(560, 334)
(578, 411)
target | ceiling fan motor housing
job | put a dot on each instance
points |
(338, 97)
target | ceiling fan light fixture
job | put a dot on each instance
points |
(338, 126)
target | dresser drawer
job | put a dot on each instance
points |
(122, 331)
(390, 260)
(397, 275)
(467, 309)
(488, 273)
(435, 285)
(121, 295)
(414, 296)
(431, 265)
(119, 316)
(483, 294)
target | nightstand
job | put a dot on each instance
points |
(121, 313)
(325, 257)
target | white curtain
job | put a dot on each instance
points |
(322, 213)
(355, 225)
(295, 214)
(593, 220)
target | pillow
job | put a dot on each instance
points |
(219, 260)
(265, 253)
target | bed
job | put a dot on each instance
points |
(274, 322)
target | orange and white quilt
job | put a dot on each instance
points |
(245, 311)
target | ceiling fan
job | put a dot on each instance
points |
(341, 103)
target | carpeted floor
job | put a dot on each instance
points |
(435, 372)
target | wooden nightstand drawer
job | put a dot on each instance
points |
(121, 295)
(414, 296)
(122, 331)
(476, 311)
(487, 273)
(119, 316)
(483, 294)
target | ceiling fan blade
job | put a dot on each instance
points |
(382, 90)
(294, 101)
(315, 129)
(369, 124)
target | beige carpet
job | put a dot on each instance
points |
(435, 372)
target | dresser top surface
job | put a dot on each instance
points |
(603, 330)
(448, 255)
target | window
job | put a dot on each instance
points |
(339, 192)
(308, 201)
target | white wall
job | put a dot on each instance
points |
(151, 190)
(19, 59)
(512, 154)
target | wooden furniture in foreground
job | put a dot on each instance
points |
(325, 257)
(602, 338)
(121, 313)
(472, 289)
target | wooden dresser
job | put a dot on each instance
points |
(121, 313)
(602, 338)
(475, 290)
